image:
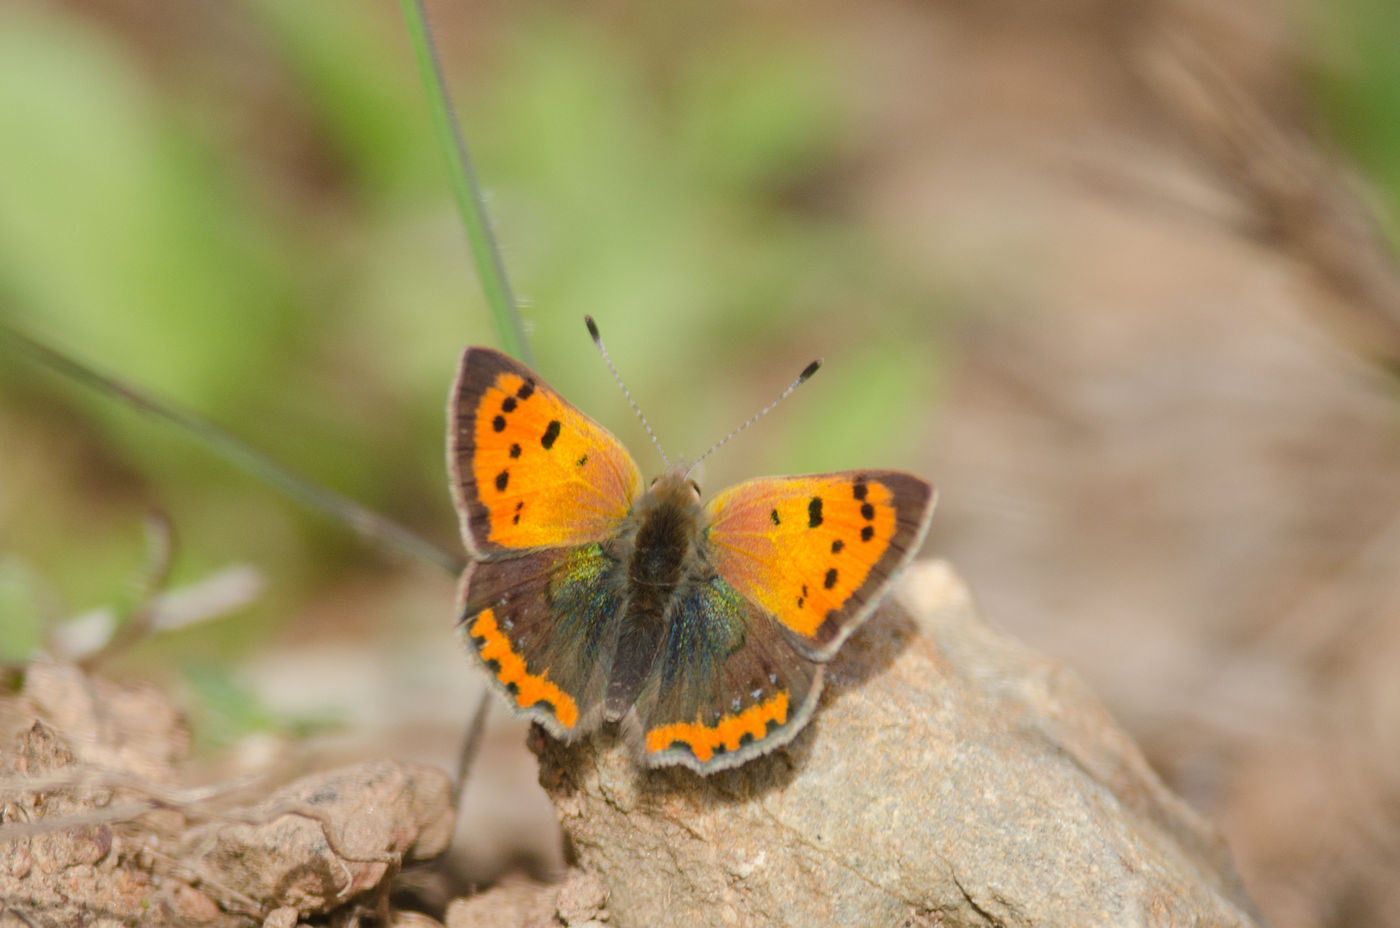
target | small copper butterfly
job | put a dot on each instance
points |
(592, 598)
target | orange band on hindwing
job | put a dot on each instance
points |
(703, 740)
(528, 689)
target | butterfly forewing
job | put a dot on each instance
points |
(816, 552)
(528, 469)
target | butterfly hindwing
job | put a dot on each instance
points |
(528, 469)
(544, 624)
(816, 552)
(727, 684)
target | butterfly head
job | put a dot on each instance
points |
(677, 487)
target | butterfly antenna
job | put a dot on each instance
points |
(802, 378)
(598, 340)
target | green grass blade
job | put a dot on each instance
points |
(370, 525)
(466, 188)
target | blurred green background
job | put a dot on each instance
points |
(259, 231)
(241, 208)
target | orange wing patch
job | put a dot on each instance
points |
(528, 689)
(727, 734)
(530, 469)
(814, 551)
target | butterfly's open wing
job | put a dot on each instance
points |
(817, 552)
(728, 684)
(528, 469)
(543, 625)
(539, 488)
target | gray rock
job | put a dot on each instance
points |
(951, 777)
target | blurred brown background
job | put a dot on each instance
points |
(1109, 272)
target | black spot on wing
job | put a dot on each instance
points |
(859, 490)
(867, 511)
(867, 533)
(515, 451)
(508, 404)
(837, 545)
(499, 423)
(551, 434)
(830, 580)
(774, 516)
(526, 390)
(502, 479)
(814, 512)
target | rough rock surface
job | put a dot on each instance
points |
(95, 829)
(326, 838)
(69, 739)
(951, 777)
(580, 901)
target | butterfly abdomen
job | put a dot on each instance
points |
(666, 524)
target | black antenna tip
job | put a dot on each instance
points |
(592, 328)
(809, 370)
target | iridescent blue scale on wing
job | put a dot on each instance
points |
(585, 592)
(707, 625)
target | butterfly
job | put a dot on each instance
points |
(591, 598)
